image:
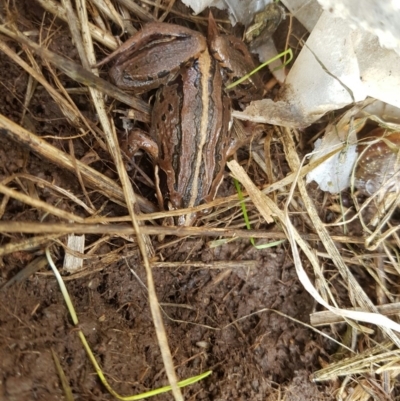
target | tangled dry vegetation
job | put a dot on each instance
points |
(68, 178)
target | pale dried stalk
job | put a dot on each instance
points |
(54, 188)
(220, 264)
(136, 9)
(115, 229)
(360, 363)
(70, 111)
(39, 204)
(356, 293)
(31, 87)
(29, 244)
(3, 205)
(76, 34)
(167, 10)
(91, 176)
(97, 18)
(296, 239)
(144, 242)
(108, 9)
(79, 74)
(126, 16)
(324, 318)
(99, 35)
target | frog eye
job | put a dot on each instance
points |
(240, 50)
(128, 78)
(162, 74)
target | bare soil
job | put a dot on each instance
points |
(221, 320)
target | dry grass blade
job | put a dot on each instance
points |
(294, 238)
(258, 198)
(69, 109)
(108, 9)
(136, 9)
(52, 187)
(357, 294)
(76, 33)
(131, 200)
(81, 75)
(38, 204)
(225, 264)
(31, 87)
(371, 358)
(290, 178)
(324, 318)
(114, 229)
(167, 10)
(386, 208)
(28, 244)
(99, 35)
(91, 177)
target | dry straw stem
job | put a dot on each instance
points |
(27, 244)
(371, 360)
(59, 191)
(127, 230)
(88, 58)
(39, 204)
(80, 74)
(324, 318)
(296, 239)
(372, 388)
(99, 35)
(226, 264)
(357, 295)
(388, 361)
(91, 177)
(63, 379)
(68, 108)
(138, 10)
(106, 8)
(386, 208)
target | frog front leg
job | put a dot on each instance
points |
(140, 140)
(154, 55)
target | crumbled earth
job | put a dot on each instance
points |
(251, 358)
(221, 320)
